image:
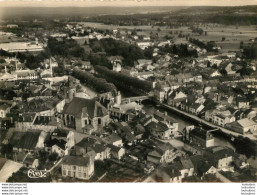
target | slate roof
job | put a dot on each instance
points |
(76, 160)
(45, 120)
(60, 133)
(153, 126)
(162, 116)
(112, 138)
(171, 170)
(86, 142)
(87, 107)
(28, 141)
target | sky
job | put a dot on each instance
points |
(122, 3)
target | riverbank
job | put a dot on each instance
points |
(208, 124)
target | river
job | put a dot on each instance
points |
(150, 108)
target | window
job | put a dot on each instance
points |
(69, 173)
(64, 167)
(85, 175)
(74, 167)
(64, 172)
(99, 121)
(85, 168)
(79, 168)
(85, 122)
(79, 174)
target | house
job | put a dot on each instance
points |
(145, 75)
(199, 136)
(196, 108)
(86, 65)
(57, 146)
(124, 111)
(124, 131)
(4, 110)
(242, 102)
(45, 123)
(25, 121)
(29, 141)
(31, 162)
(85, 115)
(249, 113)
(210, 113)
(162, 153)
(159, 130)
(88, 145)
(25, 74)
(116, 152)
(116, 62)
(222, 157)
(187, 168)
(169, 173)
(202, 166)
(176, 98)
(65, 135)
(144, 45)
(78, 167)
(243, 126)
(222, 119)
(140, 63)
(113, 139)
(215, 73)
(168, 120)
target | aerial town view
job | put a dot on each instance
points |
(131, 94)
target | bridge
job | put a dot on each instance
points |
(135, 99)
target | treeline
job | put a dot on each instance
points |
(124, 81)
(208, 46)
(98, 84)
(112, 47)
(180, 50)
(250, 52)
(65, 48)
(197, 30)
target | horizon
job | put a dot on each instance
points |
(125, 3)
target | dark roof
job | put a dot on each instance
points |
(76, 160)
(114, 148)
(171, 170)
(90, 108)
(60, 133)
(186, 163)
(201, 133)
(98, 148)
(163, 116)
(86, 142)
(29, 160)
(45, 120)
(60, 143)
(153, 126)
(214, 154)
(112, 138)
(28, 140)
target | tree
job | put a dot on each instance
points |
(6, 149)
